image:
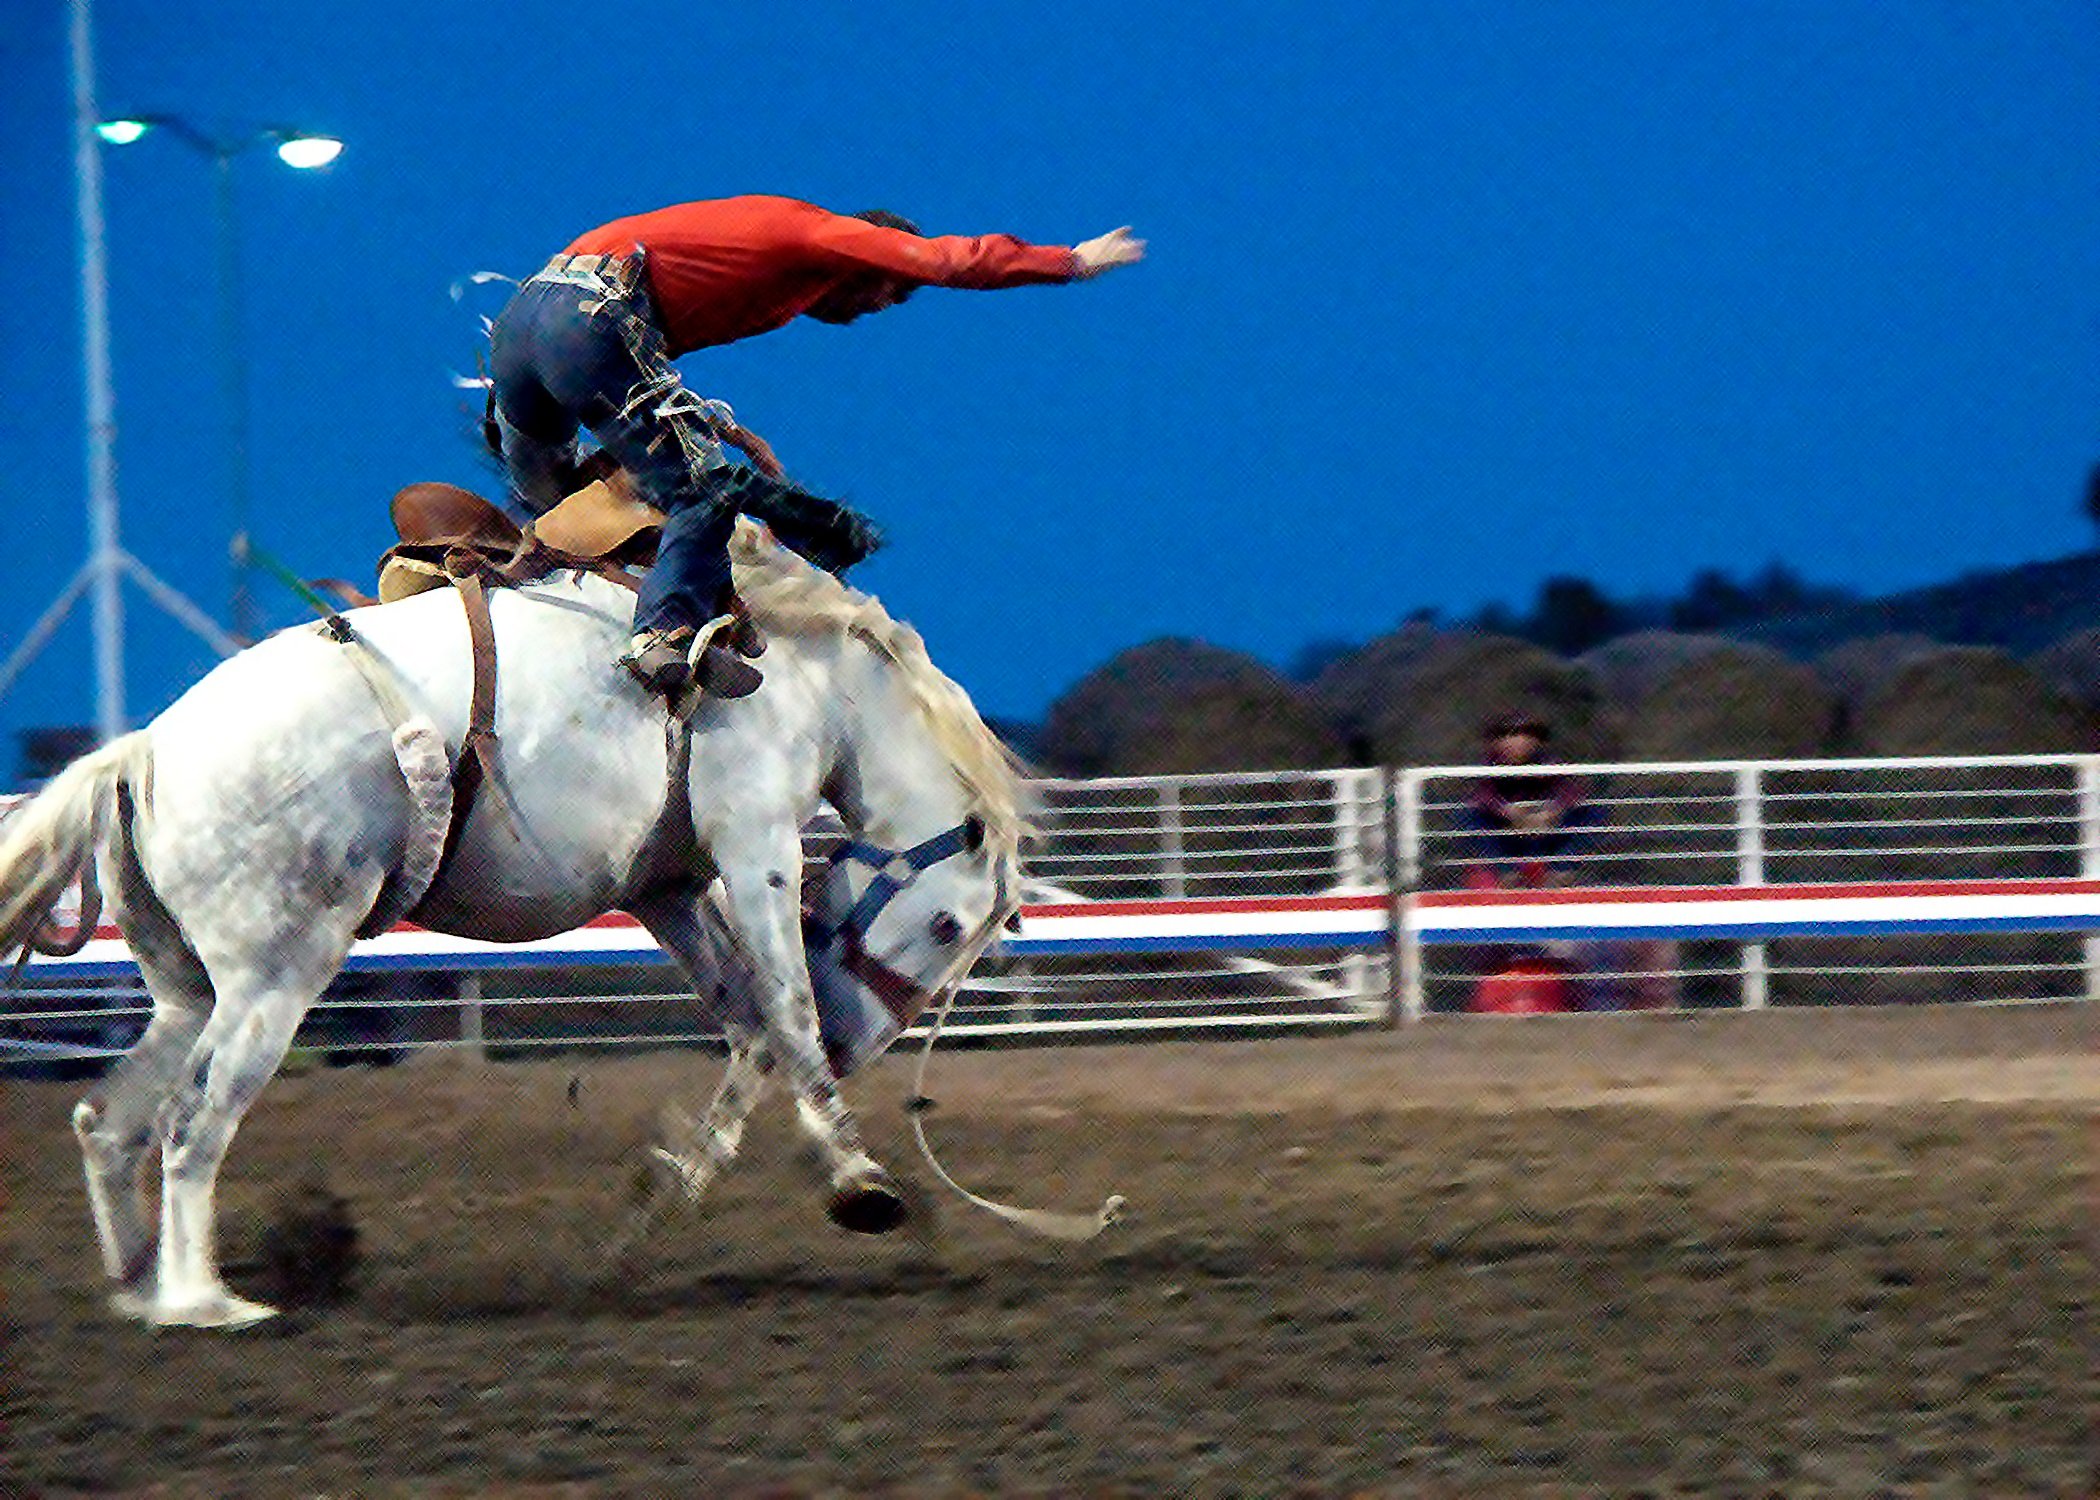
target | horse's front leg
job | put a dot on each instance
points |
(688, 928)
(701, 1149)
(762, 879)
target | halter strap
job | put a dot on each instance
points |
(895, 870)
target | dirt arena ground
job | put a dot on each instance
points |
(1825, 1254)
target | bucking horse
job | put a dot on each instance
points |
(303, 793)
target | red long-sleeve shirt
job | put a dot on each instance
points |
(728, 268)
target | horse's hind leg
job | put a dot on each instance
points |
(260, 1004)
(115, 1123)
(115, 1126)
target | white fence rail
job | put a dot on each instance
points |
(1341, 898)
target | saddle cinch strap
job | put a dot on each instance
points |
(442, 791)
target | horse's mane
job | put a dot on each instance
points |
(786, 594)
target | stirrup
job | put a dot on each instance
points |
(662, 660)
(745, 634)
(704, 666)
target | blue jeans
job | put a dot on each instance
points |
(582, 349)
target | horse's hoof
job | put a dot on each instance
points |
(872, 1206)
(219, 1310)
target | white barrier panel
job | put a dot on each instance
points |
(1207, 900)
(1051, 928)
(1857, 909)
(1237, 923)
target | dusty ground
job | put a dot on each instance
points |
(1790, 1254)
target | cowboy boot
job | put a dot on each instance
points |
(663, 662)
(831, 535)
(721, 673)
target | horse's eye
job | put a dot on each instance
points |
(945, 928)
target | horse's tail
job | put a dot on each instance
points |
(47, 845)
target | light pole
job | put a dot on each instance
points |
(298, 149)
(108, 564)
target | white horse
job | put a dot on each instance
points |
(299, 793)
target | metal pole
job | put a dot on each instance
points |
(2089, 857)
(1170, 839)
(45, 627)
(1347, 797)
(234, 376)
(106, 551)
(473, 1041)
(1404, 875)
(1750, 870)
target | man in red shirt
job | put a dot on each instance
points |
(588, 341)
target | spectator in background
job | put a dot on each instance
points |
(1525, 825)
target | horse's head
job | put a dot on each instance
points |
(901, 908)
(890, 932)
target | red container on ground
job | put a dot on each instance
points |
(1527, 987)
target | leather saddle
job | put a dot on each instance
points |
(444, 529)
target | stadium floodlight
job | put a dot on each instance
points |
(308, 151)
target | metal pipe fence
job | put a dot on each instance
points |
(1255, 902)
(1856, 880)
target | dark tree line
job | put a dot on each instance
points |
(1572, 615)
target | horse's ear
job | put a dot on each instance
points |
(973, 833)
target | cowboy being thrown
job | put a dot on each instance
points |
(588, 343)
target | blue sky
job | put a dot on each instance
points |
(1443, 298)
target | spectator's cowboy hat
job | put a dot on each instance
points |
(1516, 723)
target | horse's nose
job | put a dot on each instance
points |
(944, 928)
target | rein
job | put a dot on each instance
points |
(895, 871)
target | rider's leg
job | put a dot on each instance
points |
(539, 471)
(535, 431)
(604, 359)
(688, 582)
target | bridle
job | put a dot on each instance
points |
(895, 872)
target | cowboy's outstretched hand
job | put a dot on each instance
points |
(1104, 253)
